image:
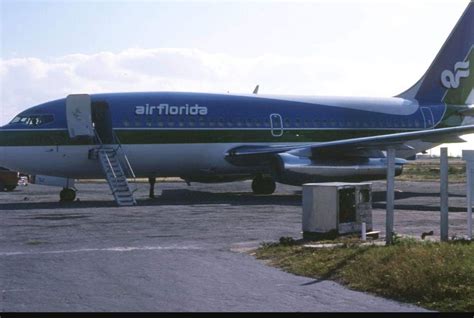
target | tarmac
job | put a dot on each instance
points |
(186, 250)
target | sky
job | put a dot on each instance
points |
(50, 49)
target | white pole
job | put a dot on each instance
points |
(470, 190)
(444, 196)
(468, 156)
(364, 232)
(390, 195)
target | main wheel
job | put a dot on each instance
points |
(67, 195)
(263, 185)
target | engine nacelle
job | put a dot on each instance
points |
(294, 170)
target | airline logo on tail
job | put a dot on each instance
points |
(450, 80)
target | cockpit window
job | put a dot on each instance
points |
(33, 120)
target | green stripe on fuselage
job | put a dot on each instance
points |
(39, 138)
(176, 136)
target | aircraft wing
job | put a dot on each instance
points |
(358, 145)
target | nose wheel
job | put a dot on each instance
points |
(67, 195)
(263, 185)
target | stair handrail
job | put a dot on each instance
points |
(127, 162)
(96, 134)
(110, 166)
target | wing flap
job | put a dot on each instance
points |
(380, 142)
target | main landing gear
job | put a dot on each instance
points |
(263, 185)
(67, 195)
(152, 181)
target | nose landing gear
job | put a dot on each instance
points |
(263, 185)
(67, 195)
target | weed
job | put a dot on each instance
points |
(435, 275)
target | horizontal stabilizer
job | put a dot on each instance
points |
(467, 112)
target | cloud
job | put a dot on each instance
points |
(26, 82)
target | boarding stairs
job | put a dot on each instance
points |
(115, 165)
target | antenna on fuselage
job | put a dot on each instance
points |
(255, 91)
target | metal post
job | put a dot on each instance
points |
(364, 232)
(152, 181)
(468, 156)
(470, 190)
(444, 194)
(390, 195)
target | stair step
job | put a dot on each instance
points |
(116, 177)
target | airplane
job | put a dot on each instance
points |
(204, 137)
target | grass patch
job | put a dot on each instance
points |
(438, 276)
(429, 171)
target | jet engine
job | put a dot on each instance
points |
(294, 170)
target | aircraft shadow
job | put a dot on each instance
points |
(378, 196)
(379, 199)
(196, 197)
(185, 196)
(171, 197)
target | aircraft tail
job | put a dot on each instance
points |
(450, 78)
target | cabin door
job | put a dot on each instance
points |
(276, 125)
(78, 116)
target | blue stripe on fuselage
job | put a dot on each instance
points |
(250, 111)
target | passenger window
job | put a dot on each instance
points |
(137, 121)
(220, 122)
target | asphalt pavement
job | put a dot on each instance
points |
(186, 250)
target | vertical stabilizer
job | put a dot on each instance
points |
(450, 78)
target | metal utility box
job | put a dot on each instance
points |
(336, 207)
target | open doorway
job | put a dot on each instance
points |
(102, 121)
